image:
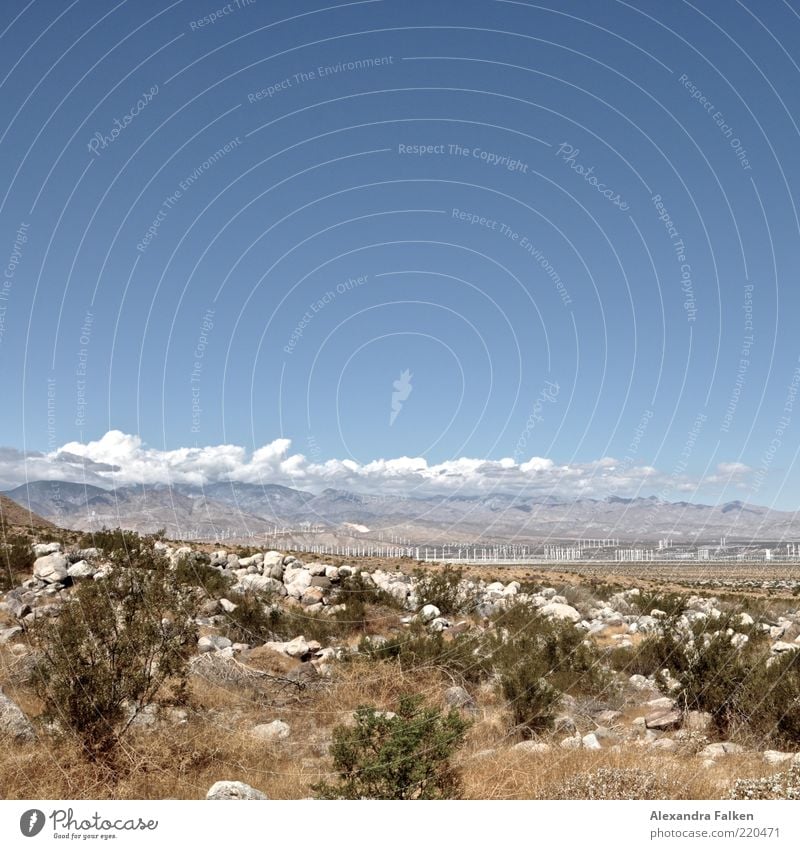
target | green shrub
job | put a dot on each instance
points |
(770, 701)
(673, 604)
(194, 573)
(119, 545)
(653, 654)
(441, 588)
(403, 756)
(538, 659)
(357, 595)
(251, 621)
(115, 645)
(532, 700)
(16, 560)
(742, 692)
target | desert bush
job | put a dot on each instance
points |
(614, 783)
(536, 660)
(737, 686)
(533, 701)
(357, 595)
(561, 652)
(653, 654)
(251, 621)
(441, 588)
(673, 604)
(119, 545)
(405, 755)
(16, 559)
(194, 573)
(113, 650)
(769, 703)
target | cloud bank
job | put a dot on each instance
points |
(119, 459)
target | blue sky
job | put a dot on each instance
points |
(210, 240)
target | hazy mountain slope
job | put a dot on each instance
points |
(234, 508)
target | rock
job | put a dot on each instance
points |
(297, 647)
(664, 744)
(262, 584)
(739, 640)
(40, 549)
(774, 758)
(298, 584)
(81, 569)
(639, 682)
(313, 595)
(227, 605)
(607, 717)
(745, 619)
(429, 612)
(781, 647)
(272, 731)
(14, 724)
(321, 581)
(213, 642)
(571, 742)
(272, 558)
(17, 607)
(8, 634)
(51, 568)
(590, 741)
(439, 624)
(557, 610)
(253, 560)
(718, 750)
(664, 720)
(663, 703)
(229, 790)
(332, 573)
(532, 747)
(458, 697)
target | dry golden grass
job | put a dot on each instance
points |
(215, 743)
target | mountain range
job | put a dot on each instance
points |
(242, 510)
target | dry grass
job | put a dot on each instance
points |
(170, 761)
(182, 762)
(509, 774)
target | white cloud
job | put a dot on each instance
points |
(118, 458)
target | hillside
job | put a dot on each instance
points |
(12, 513)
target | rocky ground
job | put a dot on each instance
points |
(263, 705)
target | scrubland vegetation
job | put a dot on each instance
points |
(153, 671)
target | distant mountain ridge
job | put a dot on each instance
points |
(243, 509)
